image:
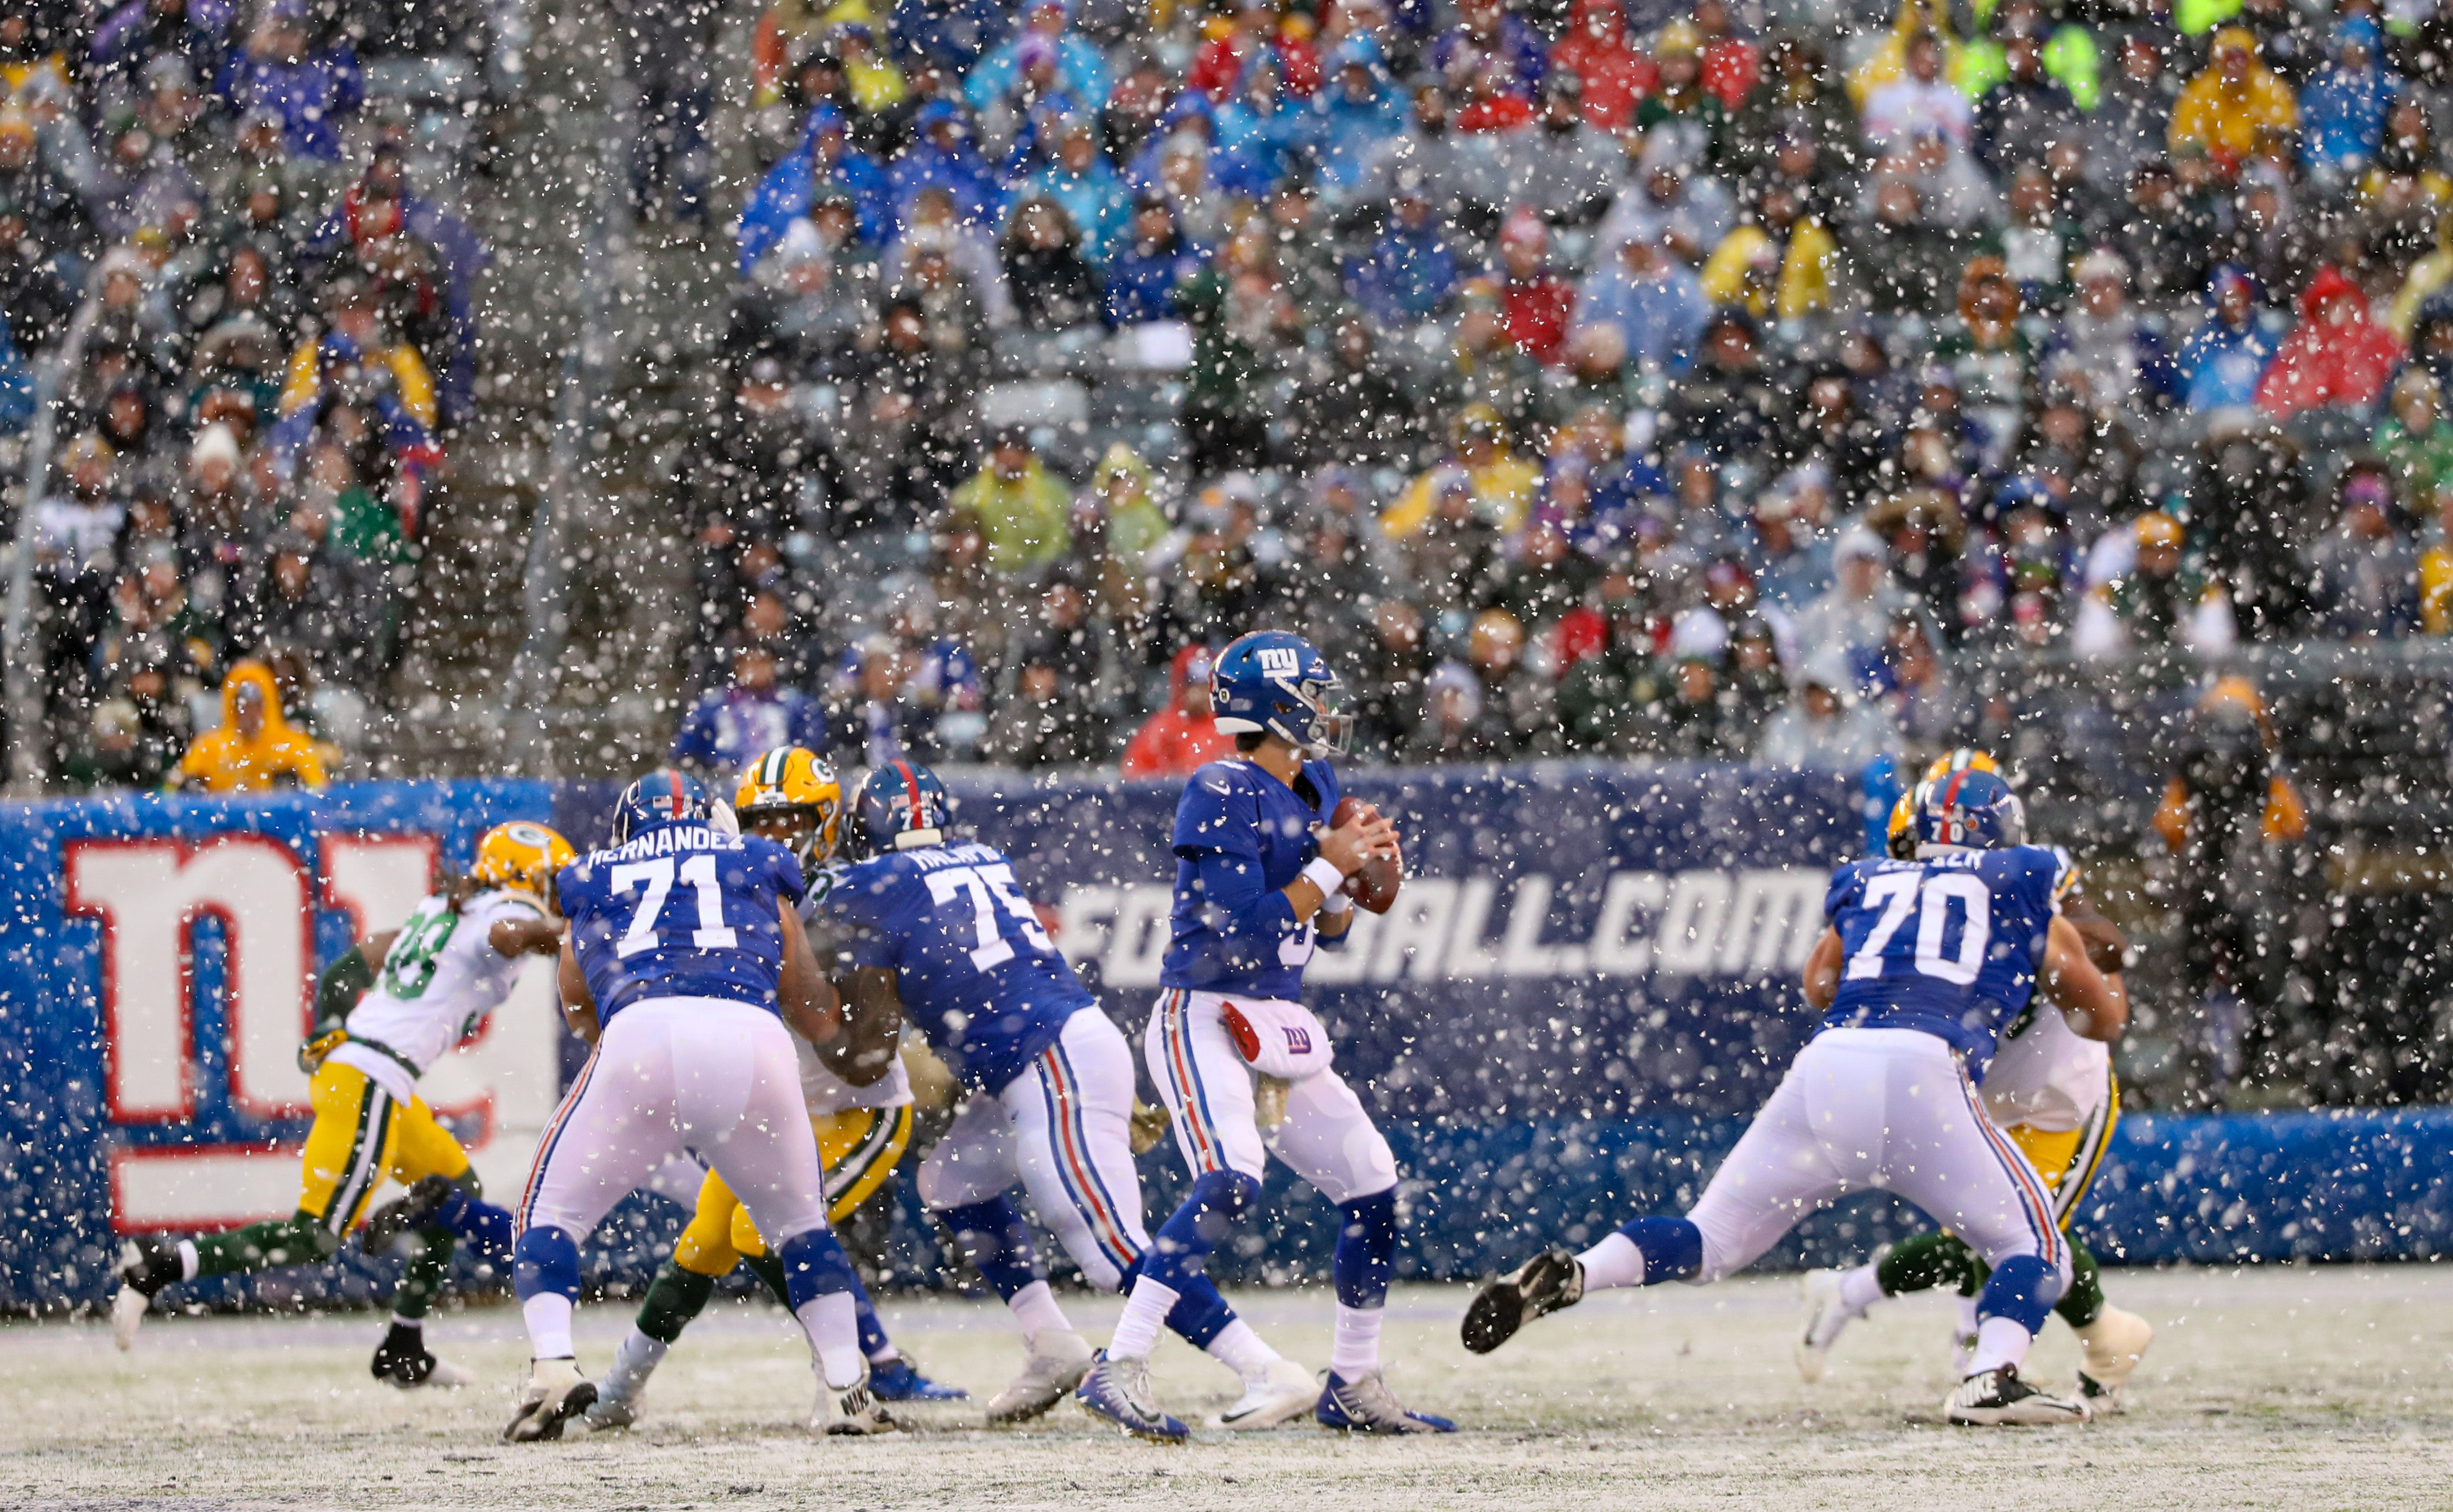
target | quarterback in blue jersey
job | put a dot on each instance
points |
(684, 962)
(936, 931)
(1260, 885)
(1927, 962)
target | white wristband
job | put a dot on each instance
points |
(1323, 874)
(1338, 905)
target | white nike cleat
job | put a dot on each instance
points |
(2114, 1344)
(1826, 1315)
(849, 1412)
(1286, 1393)
(2000, 1399)
(1059, 1359)
(127, 1310)
(556, 1393)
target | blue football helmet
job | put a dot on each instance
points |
(1276, 684)
(902, 806)
(1969, 809)
(662, 797)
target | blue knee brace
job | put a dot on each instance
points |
(546, 1259)
(1366, 1249)
(814, 1265)
(993, 1238)
(1674, 1247)
(2023, 1289)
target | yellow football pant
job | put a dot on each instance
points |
(361, 1134)
(2069, 1158)
(859, 1148)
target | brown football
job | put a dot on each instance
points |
(1375, 887)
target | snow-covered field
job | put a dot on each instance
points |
(2292, 1388)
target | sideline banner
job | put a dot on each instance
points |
(1586, 987)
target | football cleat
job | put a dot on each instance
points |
(2114, 1345)
(556, 1393)
(1118, 1391)
(899, 1379)
(1998, 1399)
(403, 1360)
(850, 1412)
(144, 1266)
(1826, 1315)
(1369, 1406)
(1548, 1282)
(608, 1414)
(1059, 1359)
(1284, 1393)
(411, 1210)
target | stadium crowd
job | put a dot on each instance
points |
(267, 322)
(1782, 381)
(1762, 382)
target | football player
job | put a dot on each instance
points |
(385, 1012)
(859, 1097)
(1926, 964)
(1261, 883)
(688, 969)
(2055, 1094)
(936, 930)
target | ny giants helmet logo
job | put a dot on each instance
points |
(1280, 661)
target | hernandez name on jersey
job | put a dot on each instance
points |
(681, 911)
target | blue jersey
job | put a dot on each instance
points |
(977, 974)
(683, 910)
(1949, 945)
(1241, 837)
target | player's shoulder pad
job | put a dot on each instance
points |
(1222, 778)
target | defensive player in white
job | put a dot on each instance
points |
(1261, 882)
(859, 1097)
(685, 962)
(2055, 1095)
(1926, 963)
(425, 986)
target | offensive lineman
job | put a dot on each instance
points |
(859, 1098)
(1923, 965)
(2055, 1095)
(425, 986)
(684, 964)
(1261, 883)
(937, 930)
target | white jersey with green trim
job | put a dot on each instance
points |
(825, 1091)
(440, 979)
(2045, 1075)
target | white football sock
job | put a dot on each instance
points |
(1860, 1290)
(415, 1325)
(1967, 1319)
(1998, 1341)
(189, 1261)
(832, 1321)
(1614, 1262)
(634, 1360)
(548, 1317)
(1243, 1351)
(1035, 1307)
(1354, 1350)
(1145, 1313)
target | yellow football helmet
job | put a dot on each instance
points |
(1965, 758)
(794, 782)
(522, 854)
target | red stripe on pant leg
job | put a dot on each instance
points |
(551, 1136)
(2039, 1211)
(1071, 1137)
(1179, 1060)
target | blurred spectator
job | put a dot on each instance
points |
(1641, 309)
(1054, 288)
(255, 747)
(1019, 508)
(2335, 356)
(2225, 358)
(1827, 727)
(2343, 108)
(1595, 51)
(2364, 575)
(2235, 107)
(1181, 737)
(311, 90)
(1144, 274)
(2147, 593)
(750, 713)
